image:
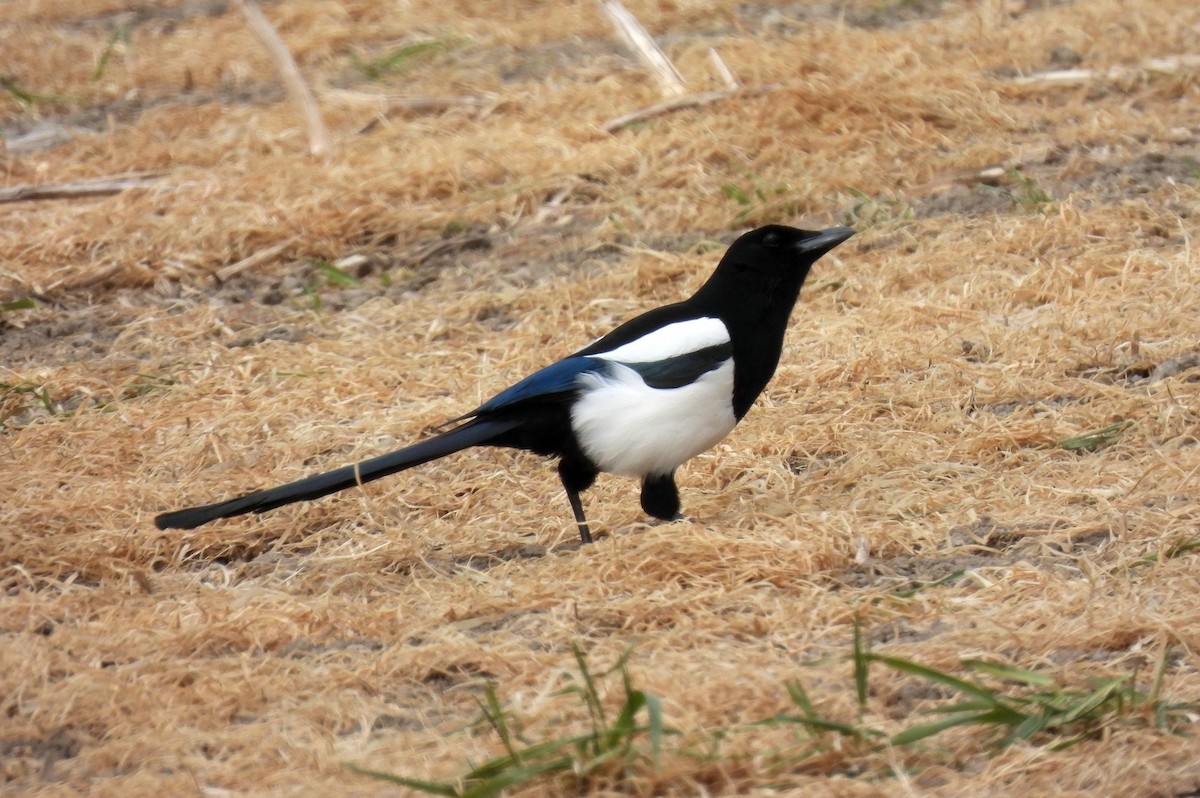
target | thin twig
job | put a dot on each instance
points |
(723, 72)
(479, 106)
(319, 142)
(87, 281)
(644, 47)
(1075, 77)
(995, 174)
(42, 136)
(448, 246)
(257, 259)
(417, 103)
(679, 103)
(98, 187)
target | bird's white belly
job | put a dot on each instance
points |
(626, 427)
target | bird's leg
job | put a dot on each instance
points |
(575, 480)
(585, 534)
(660, 497)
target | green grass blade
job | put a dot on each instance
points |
(1104, 692)
(1010, 674)
(820, 724)
(625, 725)
(975, 705)
(591, 695)
(44, 397)
(1172, 551)
(531, 756)
(427, 787)
(736, 194)
(912, 591)
(1064, 744)
(29, 98)
(1027, 728)
(335, 276)
(314, 299)
(24, 303)
(622, 665)
(940, 677)
(1095, 438)
(119, 34)
(515, 776)
(1160, 672)
(494, 714)
(923, 730)
(800, 698)
(1183, 547)
(861, 665)
(398, 59)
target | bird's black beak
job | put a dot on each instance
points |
(817, 245)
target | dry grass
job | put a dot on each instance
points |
(934, 363)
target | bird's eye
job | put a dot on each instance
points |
(771, 240)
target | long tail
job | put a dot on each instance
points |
(470, 434)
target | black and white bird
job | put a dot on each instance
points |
(653, 393)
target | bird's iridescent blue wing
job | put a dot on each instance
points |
(552, 382)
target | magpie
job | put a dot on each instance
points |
(653, 393)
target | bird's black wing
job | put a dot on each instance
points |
(675, 372)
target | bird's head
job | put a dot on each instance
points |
(777, 246)
(768, 265)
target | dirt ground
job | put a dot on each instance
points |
(1024, 177)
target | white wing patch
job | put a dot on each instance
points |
(673, 340)
(626, 427)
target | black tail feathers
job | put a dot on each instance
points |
(471, 434)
